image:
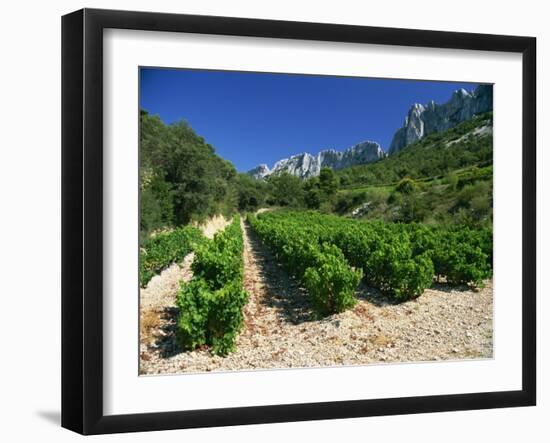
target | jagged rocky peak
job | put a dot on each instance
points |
(306, 165)
(361, 153)
(420, 121)
(302, 165)
(259, 172)
(423, 120)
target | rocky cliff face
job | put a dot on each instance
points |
(420, 121)
(423, 120)
(259, 172)
(306, 165)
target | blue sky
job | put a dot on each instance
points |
(253, 118)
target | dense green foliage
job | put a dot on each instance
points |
(463, 197)
(166, 248)
(251, 194)
(331, 282)
(460, 254)
(182, 179)
(322, 268)
(320, 191)
(210, 305)
(285, 190)
(399, 259)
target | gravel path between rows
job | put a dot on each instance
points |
(280, 330)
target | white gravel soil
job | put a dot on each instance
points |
(280, 330)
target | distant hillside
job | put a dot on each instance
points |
(469, 143)
(444, 178)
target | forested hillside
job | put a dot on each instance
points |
(183, 180)
(444, 178)
(470, 143)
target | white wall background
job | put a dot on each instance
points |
(30, 218)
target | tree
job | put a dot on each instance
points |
(250, 192)
(312, 196)
(406, 186)
(328, 182)
(412, 208)
(286, 189)
(320, 191)
(156, 204)
(345, 179)
(181, 177)
(452, 180)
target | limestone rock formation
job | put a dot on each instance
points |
(423, 120)
(259, 172)
(306, 165)
(420, 121)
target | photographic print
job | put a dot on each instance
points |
(298, 221)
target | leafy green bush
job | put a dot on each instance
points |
(210, 305)
(461, 259)
(395, 272)
(210, 317)
(220, 261)
(166, 248)
(226, 317)
(406, 186)
(331, 282)
(193, 302)
(461, 254)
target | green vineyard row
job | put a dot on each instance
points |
(321, 267)
(399, 259)
(166, 248)
(211, 304)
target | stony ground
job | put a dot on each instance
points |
(280, 330)
(213, 225)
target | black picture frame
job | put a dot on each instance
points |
(82, 218)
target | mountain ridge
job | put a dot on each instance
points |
(306, 165)
(421, 120)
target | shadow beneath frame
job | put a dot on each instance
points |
(53, 417)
